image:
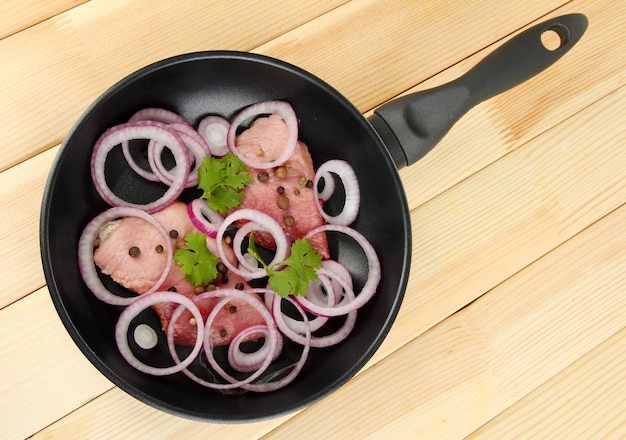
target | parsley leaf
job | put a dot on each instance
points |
(292, 276)
(222, 180)
(196, 262)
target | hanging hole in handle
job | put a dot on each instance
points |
(555, 37)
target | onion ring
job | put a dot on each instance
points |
(369, 288)
(351, 185)
(140, 130)
(279, 108)
(143, 302)
(268, 224)
(214, 131)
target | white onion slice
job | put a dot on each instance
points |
(279, 108)
(87, 267)
(140, 130)
(214, 131)
(351, 185)
(369, 288)
(203, 217)
(268, 224)
(143, 302)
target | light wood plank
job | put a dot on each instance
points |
(16, 15)
(21, 189)
(41, 360)
(61, 65)
(586, 400)
(460, 374)
(469, 147)
(456, 234)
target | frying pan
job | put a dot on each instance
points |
(196, 84)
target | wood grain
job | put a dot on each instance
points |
(585, 400)
(513, 321)
(480, 361)
(444, 278)
(62, 64)
(16, 15)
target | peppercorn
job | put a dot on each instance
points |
(280, 189)
(221, 267)
(174, 233)
(296, 192)
(239, 286)
(302, 181)
(281, 172)
(263, 177)
(309, 183)
(134, 251)
(259, 152)
(289, 220)
(223, 333)
(282, 202)
(232, 309)
(172, 289)
(158, 248)
(224, 278)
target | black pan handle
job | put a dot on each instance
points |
(412, 125)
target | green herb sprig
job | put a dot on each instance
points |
(292, 276)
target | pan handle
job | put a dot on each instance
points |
(412, 125)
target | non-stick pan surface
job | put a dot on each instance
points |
(222, 83)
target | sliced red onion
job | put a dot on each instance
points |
(157, 114)
(314, 295)
(205, 219)
(140, 130)
(295, 368)
(214, 131)
(268, 224)
(271, 339)
(197, 148)
(142, 303)
(87, 267)
(352, 193)
(369, 288)
(295, 332)
(248, 362)
(279, 108)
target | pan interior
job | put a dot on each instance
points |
(221, 83)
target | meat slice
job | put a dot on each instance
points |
(140, 272)
(283, 192)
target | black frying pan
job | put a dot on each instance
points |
(196, 84)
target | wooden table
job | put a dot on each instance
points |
(514, 321)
